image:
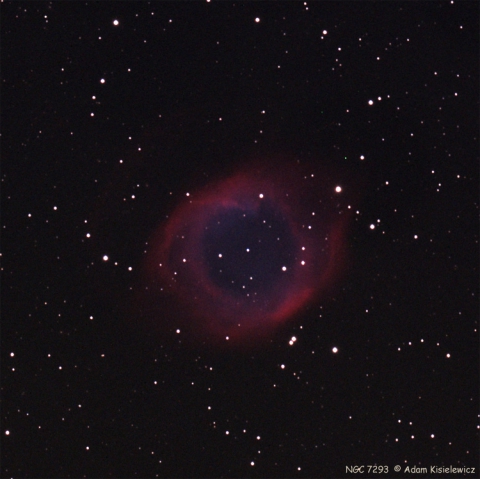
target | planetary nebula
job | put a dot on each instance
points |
(245, 253)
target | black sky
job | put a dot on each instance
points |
(112, 111)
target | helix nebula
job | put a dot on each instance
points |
(245, 253)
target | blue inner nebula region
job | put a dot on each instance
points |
(249, 253)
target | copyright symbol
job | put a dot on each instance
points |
(397, 468)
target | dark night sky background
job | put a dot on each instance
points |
(106, 126)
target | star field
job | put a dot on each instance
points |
(239, 239)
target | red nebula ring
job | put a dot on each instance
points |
(176, 270)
